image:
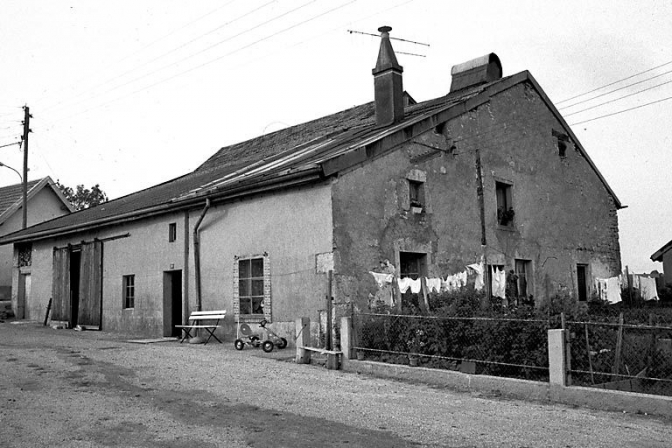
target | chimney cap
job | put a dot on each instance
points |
(387, 60)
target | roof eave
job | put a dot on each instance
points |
(567, 128)
(658, 255)
(262, 186)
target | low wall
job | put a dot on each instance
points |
(555, 391)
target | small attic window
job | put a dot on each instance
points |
(562, 141)
(562, 148)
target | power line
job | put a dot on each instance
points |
(622, 111)
(212, 60)
(616, 90)
(108, 81)
(619, 98)
(10, 144)
(615, 82)
(147, 46)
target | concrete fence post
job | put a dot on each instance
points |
(302, 340)
(346, 338)
(557, 357)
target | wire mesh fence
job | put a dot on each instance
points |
(619, 356)
(515, 348)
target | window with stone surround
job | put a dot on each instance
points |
(416, 200)
(252, 288)
(505, 212)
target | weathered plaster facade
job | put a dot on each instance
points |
(292, 227)
(564, 216)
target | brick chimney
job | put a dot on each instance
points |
(389, 92)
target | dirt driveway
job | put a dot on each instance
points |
(61, 388)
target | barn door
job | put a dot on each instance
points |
(60, 303)
(91, 285)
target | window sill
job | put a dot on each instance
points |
(507, 228)
(251, 318)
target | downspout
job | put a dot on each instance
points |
(197, 255)
(481, 209)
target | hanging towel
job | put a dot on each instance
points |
(498, 282)
(404, 284)
(433, 284)
(647, 288)
(416, 286)
(462, 277)
(613, 290)
(381, 279)
(478, 270)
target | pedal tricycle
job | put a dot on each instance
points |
(248, 337)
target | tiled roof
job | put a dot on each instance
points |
(270, 157)
(12, 194)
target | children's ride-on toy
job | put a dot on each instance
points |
(253, 339)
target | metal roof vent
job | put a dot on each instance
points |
(478, 71)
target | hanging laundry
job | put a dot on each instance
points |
(647, 288)
(614, 289)
(433, 284)
(498, 282)
(601, 288)
(462, 278)
(416, 286)
(381, 279)
(404, 284)
(478, 269)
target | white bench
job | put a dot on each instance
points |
(196, 321)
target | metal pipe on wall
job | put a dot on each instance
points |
(197, 255)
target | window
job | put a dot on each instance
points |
(129, 291)
(415, 193)
(505, 211)
(25, 254)
(172, 232)
(562, 142)
(582, 284)
(251, 286)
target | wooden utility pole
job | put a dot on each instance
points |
(26, 131)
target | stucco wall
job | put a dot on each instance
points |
(45, 205)
(563, 213)
(145, 253)
(292, 227)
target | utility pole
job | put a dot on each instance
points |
(26, 131)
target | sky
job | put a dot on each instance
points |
(132, 93)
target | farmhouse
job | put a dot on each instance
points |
(489, 174)
(45, 201)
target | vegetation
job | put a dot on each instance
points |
(82, 198)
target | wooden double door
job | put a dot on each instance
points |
(77, 288)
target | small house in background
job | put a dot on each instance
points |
(45, 202)
(488, 175)
(664, 255)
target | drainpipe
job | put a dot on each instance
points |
(197, 255)
(481, 209)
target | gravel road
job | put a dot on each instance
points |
(61, 388)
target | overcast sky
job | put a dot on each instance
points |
(131, 93)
